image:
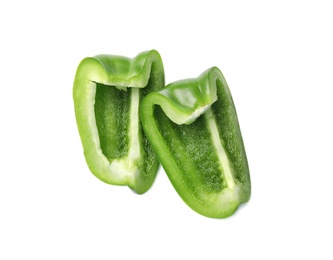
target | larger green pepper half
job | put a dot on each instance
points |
(107, 93)
(193, 128)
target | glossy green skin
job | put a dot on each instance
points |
(107, 92)
(189, 124)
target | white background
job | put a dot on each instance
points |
(277, 57)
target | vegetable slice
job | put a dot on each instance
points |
(107, 94)
(193, 128)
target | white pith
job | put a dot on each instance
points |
(217, 142)
(126, 168)
(196, 114)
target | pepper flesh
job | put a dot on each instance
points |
(193, 128)
(107, 93)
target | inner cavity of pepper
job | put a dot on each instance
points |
(112, 114)
(194, 152)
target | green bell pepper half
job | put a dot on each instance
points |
(107, 94)
(193, 128)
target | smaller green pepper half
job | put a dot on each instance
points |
(193, 128)
(107, 94)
